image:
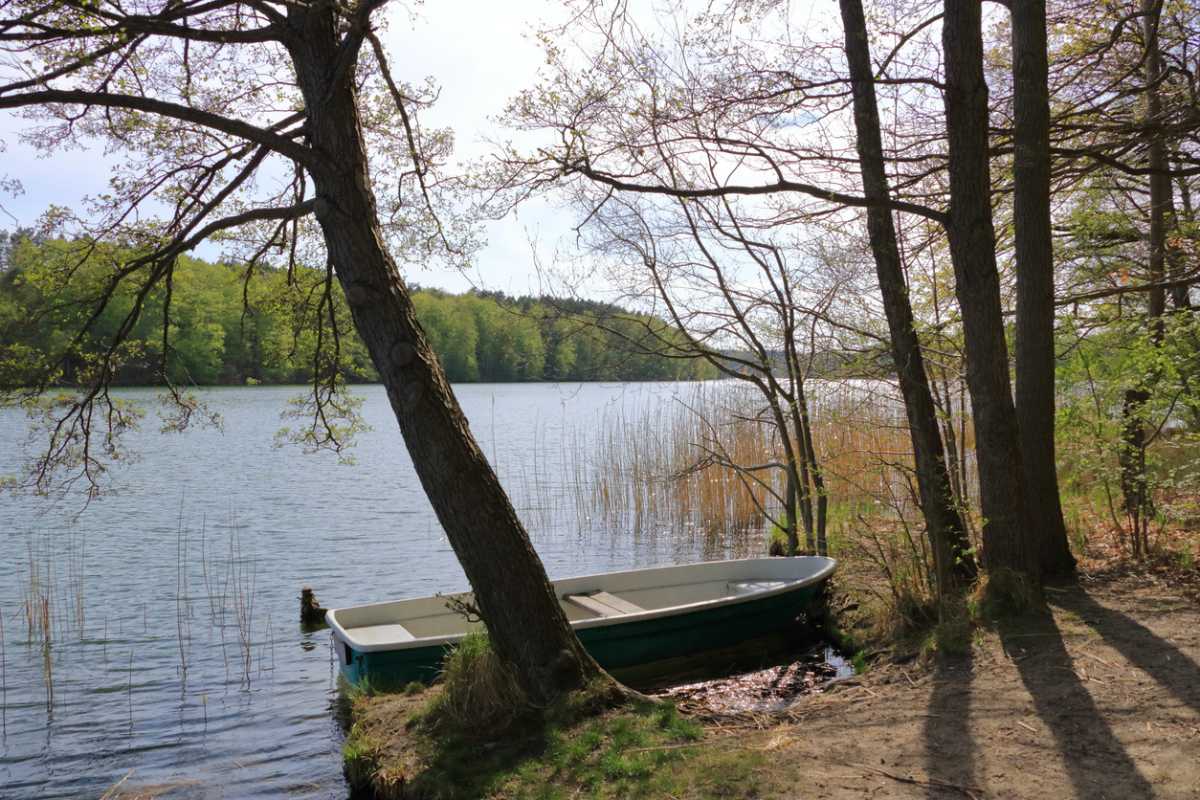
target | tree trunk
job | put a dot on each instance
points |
(527, 626)
(1035, 287)
(793, 515)
(819, 544)
(977, 286)
(1132, 458)
(1134, 486)
(1160, 181)
(1181, 298)
(954, 564)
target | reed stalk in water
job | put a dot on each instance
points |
(182, 628)
(3, 681)
(241, 581)
(129, 692)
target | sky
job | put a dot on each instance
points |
(480, 52)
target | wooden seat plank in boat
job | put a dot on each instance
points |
(604, 604)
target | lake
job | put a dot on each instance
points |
(174, 654)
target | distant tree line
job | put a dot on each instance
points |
(225, 329)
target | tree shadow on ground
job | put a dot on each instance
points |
(949, 748)
(1095, 760)
(1169, 666)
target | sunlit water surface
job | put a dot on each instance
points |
(175, 656)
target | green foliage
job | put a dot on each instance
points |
(1098, 368)
(229, 327)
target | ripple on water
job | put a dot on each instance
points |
(259, 522)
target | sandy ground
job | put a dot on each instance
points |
(1098, 698)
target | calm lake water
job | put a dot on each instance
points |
(175, 657)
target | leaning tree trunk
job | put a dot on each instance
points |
(527, 626)
(953, 562)
(1035, 286)
(977, 286)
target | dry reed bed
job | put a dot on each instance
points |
(649, 468)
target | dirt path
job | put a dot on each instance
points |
(1098, 699)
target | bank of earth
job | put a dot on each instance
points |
(1097, 696)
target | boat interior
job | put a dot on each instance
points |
(589, 605)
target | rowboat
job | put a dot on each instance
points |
(624, 619)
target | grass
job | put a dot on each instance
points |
(474, 735)
(641, 751)
(1186, 559)
(620, 754)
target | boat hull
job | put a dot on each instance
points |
(614, 646)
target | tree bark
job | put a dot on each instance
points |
(977, 286)
(1134, 485)
(812, 469)
(1160, 182)
(1035, 286)
(954, 564)
(527, 626)
(1181, 298)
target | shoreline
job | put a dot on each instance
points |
(1098, 695)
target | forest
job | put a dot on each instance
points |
(227, 329)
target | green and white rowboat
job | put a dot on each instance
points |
(624, 619)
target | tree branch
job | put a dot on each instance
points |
(243, 130)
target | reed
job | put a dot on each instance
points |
(129, 692)
(240, 591)
(38, 588)
(48, 675)
(182, 615)
(655, 469)
(46, 609)
(648, 470)
(207, 574)
(3, 680)
(230, 588)
(54, 601)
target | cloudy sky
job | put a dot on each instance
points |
(479, 51)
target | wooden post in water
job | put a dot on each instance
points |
(311, 612)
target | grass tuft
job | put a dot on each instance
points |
(480, 696)
(347, 696)
(1003, 593)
